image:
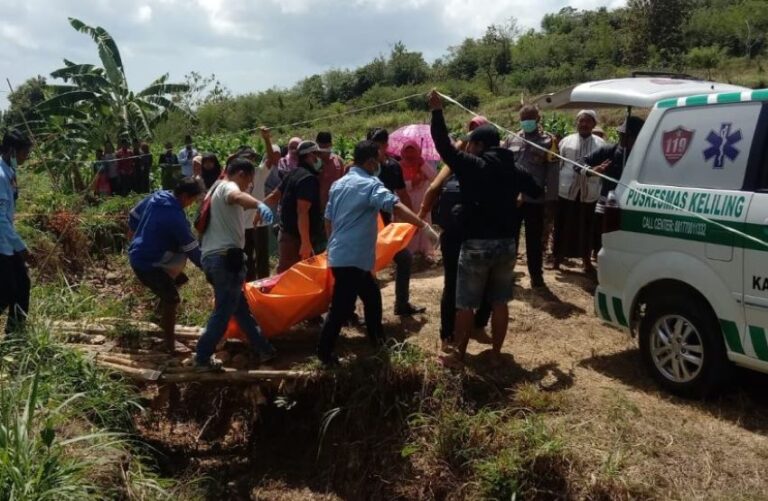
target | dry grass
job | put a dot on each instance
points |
(628, 439)
(573, 416)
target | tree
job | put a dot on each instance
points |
(100, 95)
(95, 103)
(406, 68)
(494, 52)
(373, 73)
(658, 24)
(202, 90)
(23, 102)
(705, 58)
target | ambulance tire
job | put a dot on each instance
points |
(706, 343)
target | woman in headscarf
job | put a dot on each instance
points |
(210, 169)
(291, 160)
(418, 175)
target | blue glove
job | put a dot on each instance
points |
(266, 217)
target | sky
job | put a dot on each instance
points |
(249, 45)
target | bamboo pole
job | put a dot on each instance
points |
(232, 376)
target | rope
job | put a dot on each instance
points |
(617, 181)
(581, 167)
(284, 126)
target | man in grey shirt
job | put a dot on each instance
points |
(542, 165)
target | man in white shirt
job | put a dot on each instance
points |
(257, 235)
(186, 155)
(224, 265)
(578, 195)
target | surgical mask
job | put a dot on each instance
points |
(377, 171)
(319, 164)
(14, 162)
(529, 126)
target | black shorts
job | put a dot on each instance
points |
(161, 283)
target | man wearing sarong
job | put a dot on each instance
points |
(578, 194)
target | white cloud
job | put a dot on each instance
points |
(17, 36)
(249, 44)
(144, 14)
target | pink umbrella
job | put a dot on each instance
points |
(416, 132)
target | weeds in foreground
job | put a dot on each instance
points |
(65, 427)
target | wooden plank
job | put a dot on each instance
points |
(232, 376)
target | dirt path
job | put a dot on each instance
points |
(614, 419)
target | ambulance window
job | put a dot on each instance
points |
(701, 147)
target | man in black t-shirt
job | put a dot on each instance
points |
(301, 222)
(392, 176)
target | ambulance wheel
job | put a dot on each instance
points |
(682, 346)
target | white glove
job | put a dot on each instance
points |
(432, 235)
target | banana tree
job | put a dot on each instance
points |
(95, 102)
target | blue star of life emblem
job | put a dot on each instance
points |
(722, 145)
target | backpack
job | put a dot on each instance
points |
(203, 217)
(446, 212)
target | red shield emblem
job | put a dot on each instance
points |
(675, 143)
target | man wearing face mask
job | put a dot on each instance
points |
(351, 221)
(543, 166)
(14, 293)
(301, 232)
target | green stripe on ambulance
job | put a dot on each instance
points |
(604, 311)
(757, 335)
(718, 98)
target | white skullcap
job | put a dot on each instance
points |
(589, 113)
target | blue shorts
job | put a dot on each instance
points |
(486, 270)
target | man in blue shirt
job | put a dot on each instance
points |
(351, 215)
(14, 292)
(161, 244)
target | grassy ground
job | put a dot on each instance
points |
(572, 415)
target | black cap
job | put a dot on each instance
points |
(378, 135)
(486, 134)
(631, 126)
(324, 138)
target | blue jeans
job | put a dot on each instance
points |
(230, 301)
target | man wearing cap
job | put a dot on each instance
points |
(14, 293)
(391, 174)
(332, 168)
(185, 157)
(578, 194)
(301, 224)
(489, 183)
(609, 161)
(544, 167)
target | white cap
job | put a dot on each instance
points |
(589, 113)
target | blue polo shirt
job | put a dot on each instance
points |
(161, 231)
(353, 207)
(10, 241)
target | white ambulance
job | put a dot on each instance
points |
(694, 292)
